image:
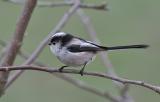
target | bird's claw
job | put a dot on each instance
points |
(61, 68)
(81, 72)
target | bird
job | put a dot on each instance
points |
(74, 51)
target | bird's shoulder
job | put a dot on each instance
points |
(81, 45)
(84, 42)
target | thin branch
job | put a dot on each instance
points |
(104, 56)
(13, 47)
(41, 46)
(16, 42)
(102, 6)
(73, 71)
(125, 97)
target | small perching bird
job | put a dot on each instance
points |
(74, 51)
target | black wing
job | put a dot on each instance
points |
(101, 48)
(81, 48)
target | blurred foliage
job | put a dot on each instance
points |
(127, 22)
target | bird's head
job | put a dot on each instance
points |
(57, 37)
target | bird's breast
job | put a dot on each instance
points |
(70, 58)
(75, 59)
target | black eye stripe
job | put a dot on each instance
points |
(63, 39)
(55, 39)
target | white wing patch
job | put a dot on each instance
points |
(86, 44)
(59, 34)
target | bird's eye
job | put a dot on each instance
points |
(53, 43)
(55, 39)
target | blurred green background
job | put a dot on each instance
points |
(127, 22)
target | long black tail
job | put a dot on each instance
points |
(125, 47)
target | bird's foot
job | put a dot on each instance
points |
(61, 68)
(81, 71)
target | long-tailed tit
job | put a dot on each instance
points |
(74, 51)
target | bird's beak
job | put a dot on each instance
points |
(49, 43)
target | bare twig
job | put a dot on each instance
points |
(73, 71)
(38, 50)
(102, 6)
(104, 56)
(125, 97)
(16, 41)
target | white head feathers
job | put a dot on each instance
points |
(59, 34)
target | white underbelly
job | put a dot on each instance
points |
(76, 59)
(73, 59)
